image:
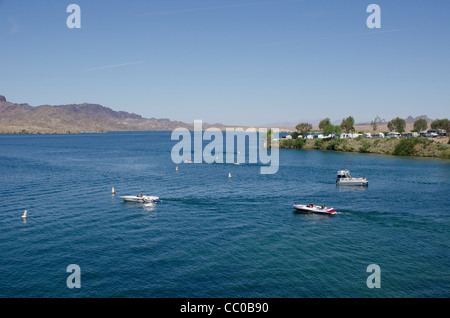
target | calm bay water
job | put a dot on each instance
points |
(214, 236)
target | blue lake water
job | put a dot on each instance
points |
(214, 236)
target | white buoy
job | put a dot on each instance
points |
(176, 168)
(24, 216)
(229, 174)
(112, 191)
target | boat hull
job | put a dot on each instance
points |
(139, 199)
(352, 182)
(304, 208)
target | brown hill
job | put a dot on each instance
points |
(408, 120)
(412, 120)
(75, 118)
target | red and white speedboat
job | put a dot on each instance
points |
(314, 209)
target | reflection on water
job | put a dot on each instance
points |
(149, 206)
(351, 188)
(150, 209)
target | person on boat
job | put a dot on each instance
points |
(324, 207)
(141, 195)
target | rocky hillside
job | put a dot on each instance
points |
(75, 118)
(412, 120)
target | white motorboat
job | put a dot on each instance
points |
(140, 198)
(314, 209)
(344, 178)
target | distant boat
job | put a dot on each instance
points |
(140, 198)
(188, 160)
(312, 208)
(344, 178)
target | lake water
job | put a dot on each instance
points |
(214, 236)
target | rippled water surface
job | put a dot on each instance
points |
(214, 236)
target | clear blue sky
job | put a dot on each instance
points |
(240, 62)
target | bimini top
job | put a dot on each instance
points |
(343, 173)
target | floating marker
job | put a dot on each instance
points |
(176, 169)
(229, 174)
(112, 191)
(24, 216)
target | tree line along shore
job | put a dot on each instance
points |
(437, 147)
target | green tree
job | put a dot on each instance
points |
(269, 138)
(365, 146)
(298, 143)
(292, 143)
(405, 147)
(303, 128)
(333, 144)
(374, 123)
(421, 124)
(324, 122)
(318, 144)
(397, 124)
(287, 143)
(331, 129)
(441, 124)
(347, 124)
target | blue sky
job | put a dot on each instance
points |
(239, 62)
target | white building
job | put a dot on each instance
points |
(393, 134)
(345, 136)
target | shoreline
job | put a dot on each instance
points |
(371, 153)
(414, 147)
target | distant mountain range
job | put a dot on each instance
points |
(76, 118)
(290, 124)
(411, 120)
(408, 120)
